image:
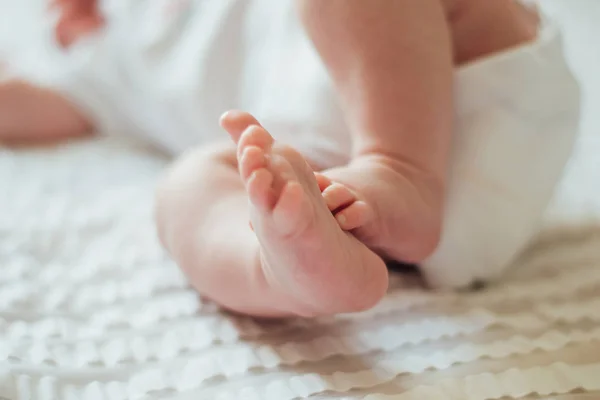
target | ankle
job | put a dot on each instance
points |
(412, 224)
(407, 205)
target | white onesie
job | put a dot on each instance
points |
(167, 69)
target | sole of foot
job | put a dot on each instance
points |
(304, 248)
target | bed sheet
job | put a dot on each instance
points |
(92, 308)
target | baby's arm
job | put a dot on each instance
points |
(392, 64)
(77, 19)
(33, 115)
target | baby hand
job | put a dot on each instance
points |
(78, 18)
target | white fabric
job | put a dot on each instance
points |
(166, 70)
(518, 121)
(91, 308)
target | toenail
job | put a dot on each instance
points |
(341, 219)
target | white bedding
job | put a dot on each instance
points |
(91, 308)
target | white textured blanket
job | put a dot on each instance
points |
(91, 308)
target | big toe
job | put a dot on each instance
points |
(236, 122)
(338, 196)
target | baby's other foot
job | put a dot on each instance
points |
(350, 212)
(305, 254)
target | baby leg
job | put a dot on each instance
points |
(33, 115)
(395, 80)
(295, 260)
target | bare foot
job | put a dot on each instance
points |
(304, 251)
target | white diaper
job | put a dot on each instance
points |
(167, 69)
(517, 122)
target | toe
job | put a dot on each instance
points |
(251, 159)
(259, 189)
(255, 136)
(236, 122)
(323, 181)
(338, 196)
(354, 216)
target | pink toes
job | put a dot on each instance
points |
(354, 216)
(337, 196)
(246, 131)
(254, 144)
(323, 181)
(255, 136)
(342, 202)
(286, 203)
(251, 159)
(236, 122)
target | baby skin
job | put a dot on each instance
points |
(317, 240)
(292, 211)
(262, 229)
(300, 257)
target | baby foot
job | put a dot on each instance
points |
(350, 212)
(304, 252)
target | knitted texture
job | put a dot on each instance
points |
(91, 307)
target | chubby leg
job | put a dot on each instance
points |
(298, 261)
(393, 66)
(295, 260)
(391, 62)
(33, 115)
